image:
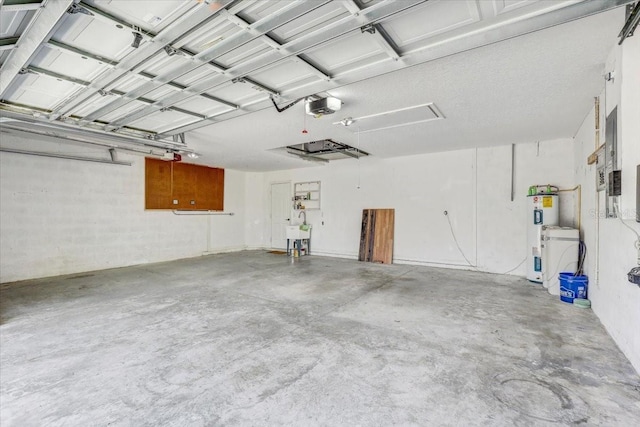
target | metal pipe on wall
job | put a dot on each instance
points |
(513, 172)
(203, 212)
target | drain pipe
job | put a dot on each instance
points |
(513, 171)
(597, 209)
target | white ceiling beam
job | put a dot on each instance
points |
(8, 43)
(108, 18)
(80, 82)
(312, 39)
(186, 24)
(39, 30)
(8, 112)
(20, 6)
(64, 48)
(372, 29)
(268, 40)
(477, 39)
(291, 11)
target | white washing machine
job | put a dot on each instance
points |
(560, 248)
(542, 210)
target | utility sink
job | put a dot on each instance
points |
(297, 232)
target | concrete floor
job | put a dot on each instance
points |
(260, 339)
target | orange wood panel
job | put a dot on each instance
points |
(194, 187)
(218, 190)
(210, 189)
(185, 180)
(376, 235)
(383, 236)
(366, 236)
(157, 184)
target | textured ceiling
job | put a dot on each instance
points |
(500, 71)
(535, 87)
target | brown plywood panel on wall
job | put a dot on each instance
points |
(383, 237)
(193, 187)
(210, 189)
(219, 190)
(157, 184)
(185, 180)
(376, 235)
(364, 236)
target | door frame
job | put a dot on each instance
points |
(271, 184)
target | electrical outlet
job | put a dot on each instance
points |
(175, 201)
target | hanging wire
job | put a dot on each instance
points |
(456, 240)
(304, 128)
(286, 107)
(582, 254)
(467, 259)
(515, 268)
(618, 214)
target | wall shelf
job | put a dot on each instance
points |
(306, 195)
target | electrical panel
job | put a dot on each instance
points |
(613, 176)
(601, 179)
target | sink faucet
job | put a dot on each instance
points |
(305, 217)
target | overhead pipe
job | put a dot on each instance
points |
(67, 138)
(65, 156)
(7, 116)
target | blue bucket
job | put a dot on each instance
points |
(572, 287)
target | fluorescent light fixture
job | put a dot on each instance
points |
(394, 118)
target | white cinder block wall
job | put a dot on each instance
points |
(474, 186)
(610, 244)
(64, 216)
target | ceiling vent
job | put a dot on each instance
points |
(323, 150)
(324, 106)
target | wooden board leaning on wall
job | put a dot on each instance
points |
(376, 235)
(184, 186)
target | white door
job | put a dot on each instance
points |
(280, 214)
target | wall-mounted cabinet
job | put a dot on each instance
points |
(306, 195)
(184, 186)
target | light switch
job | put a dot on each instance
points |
(175, 201)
